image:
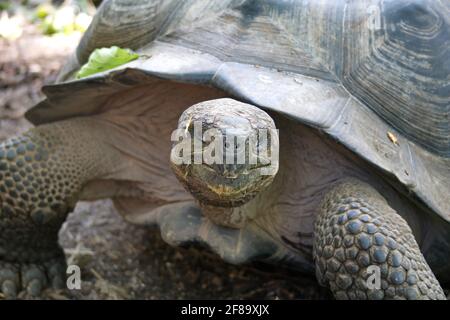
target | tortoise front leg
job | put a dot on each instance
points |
(41, 176)
(359, 237)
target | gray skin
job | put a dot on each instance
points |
(342, 222)
(363, 177)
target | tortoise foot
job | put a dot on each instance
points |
(29, 279)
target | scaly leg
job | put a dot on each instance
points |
(359, 237)
(41, 176)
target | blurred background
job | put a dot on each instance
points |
(118, 260)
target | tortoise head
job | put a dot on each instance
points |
(225, 152)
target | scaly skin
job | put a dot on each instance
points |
(356, 229)
(41, 175)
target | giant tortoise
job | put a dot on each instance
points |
(358, 90)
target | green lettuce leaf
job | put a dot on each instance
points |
(105, 59)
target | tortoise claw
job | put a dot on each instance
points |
(30, 279)
(9, 289)
(9, 280)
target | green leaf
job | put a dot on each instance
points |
(43, 11)
(105, 59)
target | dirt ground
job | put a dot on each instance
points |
(119, 260)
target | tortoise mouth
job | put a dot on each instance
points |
(234, 171)
(221, 187)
